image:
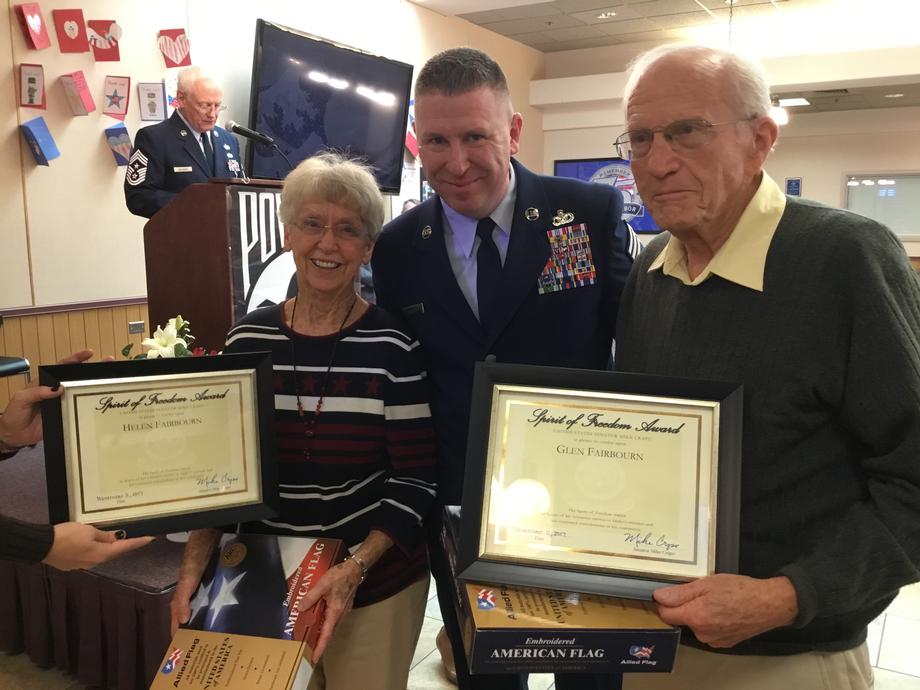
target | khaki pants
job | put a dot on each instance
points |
(372, 647)
(699, 670)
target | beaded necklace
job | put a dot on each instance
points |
(309, 425)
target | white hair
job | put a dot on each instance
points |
(748, 86)
(189, 76)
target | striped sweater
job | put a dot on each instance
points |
(371, 459)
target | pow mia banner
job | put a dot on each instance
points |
(262, 272)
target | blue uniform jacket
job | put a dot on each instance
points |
(542, 320)
(167, 158)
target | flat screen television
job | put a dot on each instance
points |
(309, 95)
(615, 172)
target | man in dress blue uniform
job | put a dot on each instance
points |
(189, 147)
(502, 262)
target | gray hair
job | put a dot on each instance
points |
(331, 177)
(189, 76)
(745, 80)
(460, 70)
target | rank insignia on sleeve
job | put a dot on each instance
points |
(137, 169)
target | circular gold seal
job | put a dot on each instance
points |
(233, 554)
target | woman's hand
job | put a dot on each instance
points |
(83, 546)
(337, 587)
(21, 422)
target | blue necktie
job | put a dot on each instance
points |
(488, 273)
(208, 153)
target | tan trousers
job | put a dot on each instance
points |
(699, 670)
(372, 647)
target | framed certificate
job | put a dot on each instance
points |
(161, 445)
(599, 482)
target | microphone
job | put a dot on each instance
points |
(249, 133)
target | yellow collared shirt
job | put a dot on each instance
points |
(743, 256)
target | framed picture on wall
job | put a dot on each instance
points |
(616, 173)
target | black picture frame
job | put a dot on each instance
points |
(259, 363)
(473, 566)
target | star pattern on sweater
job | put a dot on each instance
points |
(340, 385)
(373, 386)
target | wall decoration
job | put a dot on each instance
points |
(40, 141)
(33, 25)
(104, 36)
(119, 141)
(70, 28)
(171, 82)
(78, 93)
(31, 86)
(117, 94)
(615, 172)
(174, 45)
(151, 100)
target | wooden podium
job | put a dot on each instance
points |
(203, 249)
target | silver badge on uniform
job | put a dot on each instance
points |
(563, 217)
(426, 232)
(532, 213)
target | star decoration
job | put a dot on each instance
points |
(340, 385)
(115, 100)
(200, 601)
(373, 387)
(224, 596)
(308, 383)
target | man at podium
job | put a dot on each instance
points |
(189, 147)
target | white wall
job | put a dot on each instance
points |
(85, 245)
(822, 148)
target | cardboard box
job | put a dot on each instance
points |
(242, 634)
(529, 630)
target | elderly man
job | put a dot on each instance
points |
(188, 147)
(817, 312)
(503, 262)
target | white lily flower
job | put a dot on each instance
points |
(164, 341)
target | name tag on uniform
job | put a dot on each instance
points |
(182, 168)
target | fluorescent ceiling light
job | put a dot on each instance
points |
(852, 183)
(869, 183)
(779, 115)
(792, 102)
(606, 15)
(318, 76)
(887, 182)
(894, 95)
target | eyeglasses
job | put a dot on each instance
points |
(206, 108)
(344, 232)
(683, 134)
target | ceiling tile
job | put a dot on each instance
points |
(660, 7)
(545, 9)
(572, 6)
(536, 37)
(524, 26)
(629, 26)
(676, 21)
(578, 45)
(483, 17)
(576, 32)
(622, 14)
(660, 36)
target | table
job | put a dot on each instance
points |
(108, 626)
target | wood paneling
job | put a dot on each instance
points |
(46, 338)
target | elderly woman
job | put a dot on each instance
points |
(355, 442)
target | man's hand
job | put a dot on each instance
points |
(201, 543)
(83, 546)
(723, 610)
(21, 422)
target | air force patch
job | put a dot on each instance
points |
(136, 173)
